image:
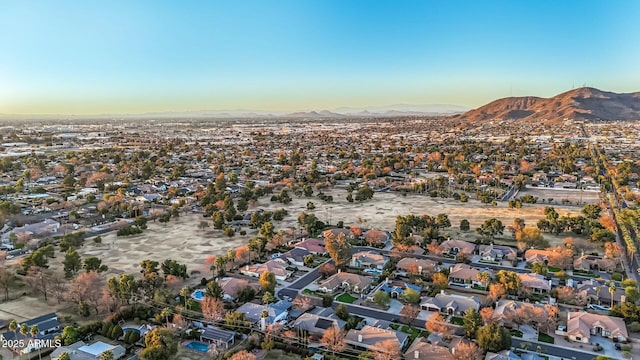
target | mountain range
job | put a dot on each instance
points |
(579, 104)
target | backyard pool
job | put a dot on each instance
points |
(135, 330)
(198, 295)
(599, 307)
(373, 271)
(198, 346)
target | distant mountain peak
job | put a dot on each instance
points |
(583, 103)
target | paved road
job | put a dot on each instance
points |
(554, 350)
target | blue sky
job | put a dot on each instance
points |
(84, 57)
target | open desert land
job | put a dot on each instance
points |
(182, 240)
(575, 196)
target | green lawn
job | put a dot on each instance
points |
(346, 298)
(413, 332)
(586, 274)
(546, 338)
(553, 269)
(457, 320)
(394, 326)
(516, 333)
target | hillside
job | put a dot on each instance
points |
(579, 104)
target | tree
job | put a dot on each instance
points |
(472, 321)
(214, 290)
(246, 294)
(436, 324)
(631, 293)
(386, 350)
(236, 320)
(334, 339)
(69, 335)
(612, 291)
(338, 248)
(72, 263)
(491, 228)
(94, 264)
(493, 338)
(530, 237)
(592, 211)
(411, 296)
(496, 291)
(466, 350)
(484, 278)
(7, 279)
(268, 298)
(487, 315)
(381, 298)
(159, 344)
(327, 270)
(106, 355)
(86, 290)
(243, 355)
(539, 268)
(268, 281)
(212, 308)
(342, 312)
(64, 356)
(408, 314)
(440, 281)
(464, 225)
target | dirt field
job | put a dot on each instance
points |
(181, 239)
(575, 196)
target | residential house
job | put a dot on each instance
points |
(231, 287)
(456, 247)
(581, 326)
(81, 351)
(368, 259)
(497, 253)
(316, 324)
(421, 349)
(253, 312)
(295, 256)
(510, 355)
(376, 237)
(533, 256)
(277, 266)
(590, 262)
(345, 281)
(348, 234)
(464, 275)
(450, 304)
(370, 337)
(48, 328)
(505, 309)
(588, 290)
(313, 246)
(535, 283)
(559, 257)
(408, 264)
(396, 289)
(222, 338)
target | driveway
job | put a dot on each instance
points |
(528, 333)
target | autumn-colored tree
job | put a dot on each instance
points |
(268, 281)
(413, 269)
(565, 294)
(488, 315)
(327, 270)
(243, 355)
(212, 308)
(607, 222)
(467, 350)
(436, 324)
(530, 237)
(434, 248)
(612, 249)
(86, 289)
(338, 248)
(302, 302)
(496, 291)
(409, 313)
(334, 339)
(386, 350)
(440, 281)
(242, 254)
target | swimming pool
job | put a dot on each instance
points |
(373, 271)
(599, 307)
(125, 329)
(198, 295)
(198, 346)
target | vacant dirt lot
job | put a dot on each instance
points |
(576, 197)
(182, 240)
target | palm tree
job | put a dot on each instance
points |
(165, 313)
(34, 331)
(184, 292)
(24, 329)
(612, 290)
(13, 326)
(598, 288)
(107, 355)
(64, 356)
(484, 278)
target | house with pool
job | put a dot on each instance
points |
(83, 351)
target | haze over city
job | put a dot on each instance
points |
(68, 57)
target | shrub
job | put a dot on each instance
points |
(106, 329)
(116, 332)
(634, 326)
(616, 276)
